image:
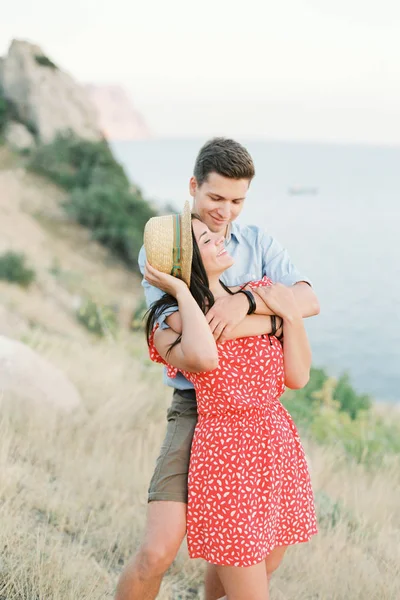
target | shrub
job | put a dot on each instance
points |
(137, 322)
(367, 439)
(101, 197)
(306, 403)
(44, 61)
(9, 112)
(72, 162)
(13, 269)
(3, 114)
(302, 404)
(115, 216)
(98, 319)
(332, 413)
(349, 401)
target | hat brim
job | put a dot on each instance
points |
(187, 243)
(159, 243)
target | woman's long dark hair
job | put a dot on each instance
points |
(199, 288)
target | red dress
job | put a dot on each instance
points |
(249, 485)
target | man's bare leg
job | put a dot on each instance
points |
(165, 531)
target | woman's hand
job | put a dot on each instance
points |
(167, 283)
(281, 300)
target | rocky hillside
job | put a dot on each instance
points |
(119, 119)
(69, 265)
(39, 104)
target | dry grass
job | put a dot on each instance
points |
(73, 491)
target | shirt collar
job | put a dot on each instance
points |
(232, 231)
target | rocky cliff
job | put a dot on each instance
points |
(119, 119)
(43, 97)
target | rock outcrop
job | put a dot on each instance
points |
(18, 137)
(45, 98)
(119, 119)
(25, 375)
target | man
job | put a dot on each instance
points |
(222, 175)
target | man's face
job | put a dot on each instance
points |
(219, 200)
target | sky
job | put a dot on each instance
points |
(288, 69)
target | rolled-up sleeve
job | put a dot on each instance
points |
(152, 294)
(277, 264)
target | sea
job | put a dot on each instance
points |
(336, 208)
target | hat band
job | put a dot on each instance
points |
(177, 250)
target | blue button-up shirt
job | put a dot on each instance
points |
(256, 254)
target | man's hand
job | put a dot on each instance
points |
(307, 302)
(280, 300)
(226, 314)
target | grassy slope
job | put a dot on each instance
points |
(72, 491)
(68, 263)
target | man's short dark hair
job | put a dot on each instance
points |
(225, 157)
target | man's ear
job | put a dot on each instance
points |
(192, 186)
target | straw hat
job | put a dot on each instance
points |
(168, 244)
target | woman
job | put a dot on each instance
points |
(249, 488)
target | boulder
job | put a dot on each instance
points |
(44, 97)
(27, 376)
(18, 137)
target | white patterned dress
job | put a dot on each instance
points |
(249, 485)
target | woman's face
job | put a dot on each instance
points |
(211, 245)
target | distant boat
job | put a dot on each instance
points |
(300, 190)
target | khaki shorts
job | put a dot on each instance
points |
(169, 481)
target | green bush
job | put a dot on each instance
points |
(72, 162)
(3, 114)
(98, 318)
(9, 112)
(367, 439)
(349, 401)
(137, 322)
(115, 216)
(44, 61)
(13, 268)
(305, 404)
(101, 196)
(330, 412)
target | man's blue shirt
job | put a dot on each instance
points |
(256, 254)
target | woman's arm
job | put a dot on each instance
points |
(296, 352)
(197, 351)
(296, 348)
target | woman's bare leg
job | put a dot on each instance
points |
(244, 583)
(213, 587)
(274, 559)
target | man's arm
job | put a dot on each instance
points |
(278, 266)
(227, 313)
(255, 324)
(230, 314)
(306, 299)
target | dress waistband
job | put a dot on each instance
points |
(272, 406)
